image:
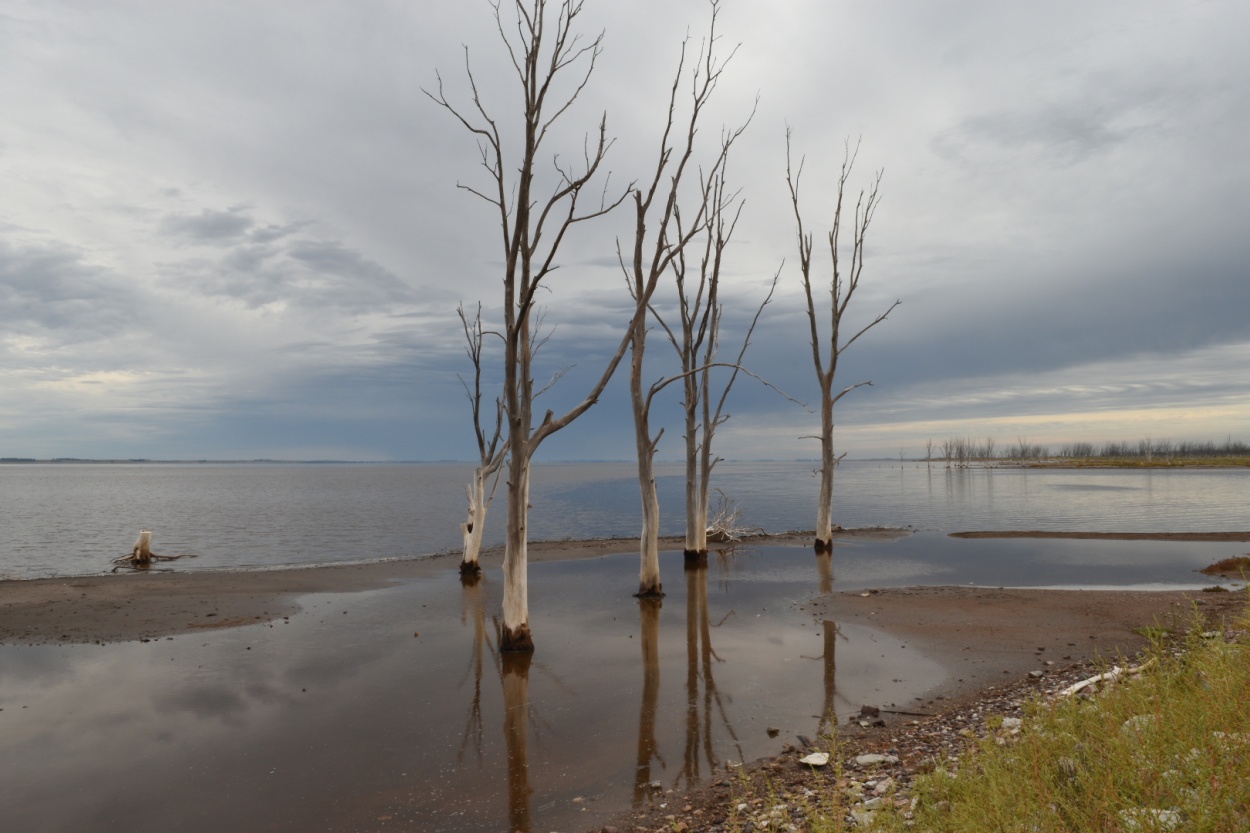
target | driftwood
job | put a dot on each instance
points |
(725, 526)
(141, 555)
(1112, 675)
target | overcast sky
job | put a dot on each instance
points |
(232, 229)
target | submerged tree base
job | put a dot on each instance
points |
(650, 591)
(822, 547)
(695, 558)
(470, 579)
(516, 641)
(470, 568)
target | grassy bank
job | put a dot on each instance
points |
(1168, 749)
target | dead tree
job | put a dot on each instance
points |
(490, 454)
(842, 286)
(535, 215)
(660, 238)
(697, 343)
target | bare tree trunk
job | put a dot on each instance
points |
(657, 249)
(649, 585)
(534, 218)
(474, 527)
(515, 635)
(842, 286)
(828, 462)
(489, 457)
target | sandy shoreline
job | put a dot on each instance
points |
(147, 605)
(114, 607)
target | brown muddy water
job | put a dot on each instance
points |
(393, 710)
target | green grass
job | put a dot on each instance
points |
(1169, 750)
(1165, 750)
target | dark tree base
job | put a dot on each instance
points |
(823, 546)
(470, 568)
(695, 558)
(655, 591)
(516, 641)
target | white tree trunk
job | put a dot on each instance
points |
(474, 526)
(649, 585)
(828, 462)
(696, 524)
(516, 613)
(142, 551)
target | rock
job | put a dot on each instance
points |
(1037, 675)
(884, 786)
(773, 731)
(873, 803)
(815, 759)
(873, 760)
(869, 711)
(1012, 724)
(862, 818)
(1141, 818)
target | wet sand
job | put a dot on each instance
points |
(976, 630)
(116, 607)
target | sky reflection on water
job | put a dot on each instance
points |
(395, 705)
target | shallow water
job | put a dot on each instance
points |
(343, 718)
(394, 706)
(71, 519)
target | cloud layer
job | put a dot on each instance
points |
(236, 231)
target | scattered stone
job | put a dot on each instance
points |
(773, 731)
(873, 759)
(815, 759)
(1141, 818)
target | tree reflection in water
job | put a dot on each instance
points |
(648, 748)
(513, 670)
(516, 684)
(699, 666)
(474, 607)
(828, 713)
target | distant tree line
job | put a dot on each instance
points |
(961, 451)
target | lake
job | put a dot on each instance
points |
(72, 519)
(392, 709)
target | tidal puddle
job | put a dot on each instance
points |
(393, 709)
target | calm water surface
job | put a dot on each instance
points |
(343, 719)
(392, 709)
(71, 519)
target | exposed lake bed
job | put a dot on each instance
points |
(372, 697)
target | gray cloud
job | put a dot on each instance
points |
(52, 290)
(268, 231)
(214, 227)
